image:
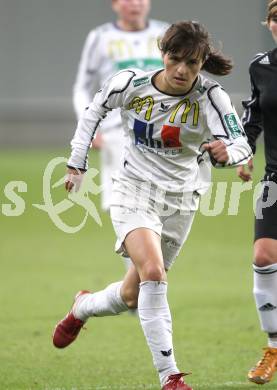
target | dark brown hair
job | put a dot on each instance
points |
(271, 10)
(192, 38)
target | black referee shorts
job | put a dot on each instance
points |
(266, 209)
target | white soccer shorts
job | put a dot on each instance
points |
(136, 204)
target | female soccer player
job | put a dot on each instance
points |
(260, 115)
(177, 121)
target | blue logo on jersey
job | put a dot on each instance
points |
(144, 133)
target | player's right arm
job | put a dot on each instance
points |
(112, 95)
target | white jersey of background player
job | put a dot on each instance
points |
(131, 41)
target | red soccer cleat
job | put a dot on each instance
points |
(67, 330)
(176, 382)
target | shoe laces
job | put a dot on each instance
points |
(174, 378)
(266, 359)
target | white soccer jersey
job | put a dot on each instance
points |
(165, 132)
(107, 50)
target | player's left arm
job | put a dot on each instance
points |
(229, 146)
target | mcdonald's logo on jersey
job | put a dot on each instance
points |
(139, 103)
(119, 48)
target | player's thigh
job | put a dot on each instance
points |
(144, 247)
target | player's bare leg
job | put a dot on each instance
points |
(144, 247)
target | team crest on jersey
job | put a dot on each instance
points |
(232, 125)
(141, 81)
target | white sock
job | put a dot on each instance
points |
(272, 341)
(265, 293)
(156, 323)
(106, 302)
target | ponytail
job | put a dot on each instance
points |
(216, 63)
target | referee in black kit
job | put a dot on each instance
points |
(261, 115)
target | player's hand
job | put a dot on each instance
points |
(245, 171)
(217, 150)
(73, 179)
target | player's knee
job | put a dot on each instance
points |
(262, 256)
(154, 272)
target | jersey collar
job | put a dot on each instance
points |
(195, 85)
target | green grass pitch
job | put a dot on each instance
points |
(216, 330)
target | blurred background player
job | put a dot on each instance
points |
(169, 116)
(130, 41)
(261, 115)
